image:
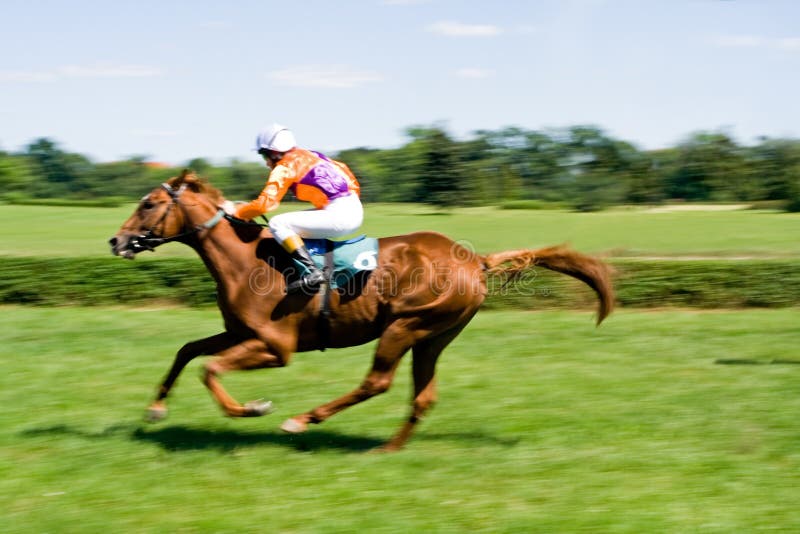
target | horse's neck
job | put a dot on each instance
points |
(231, 260)
(225, 255)
(233, 263)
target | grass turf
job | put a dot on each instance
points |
(668, 421)
(81, 231)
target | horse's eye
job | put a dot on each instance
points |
(147, 205)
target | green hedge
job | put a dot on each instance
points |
(653, 284)
(641, 284)
(532, 204)
(102, 202)
(103, 281)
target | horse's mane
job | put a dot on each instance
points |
(197, 185)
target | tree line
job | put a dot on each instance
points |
(580, 167)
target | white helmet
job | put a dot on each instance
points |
(275, 137)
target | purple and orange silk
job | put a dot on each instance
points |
(311, 176)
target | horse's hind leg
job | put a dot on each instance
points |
(425, 355)
(209, 345)
(394, 343)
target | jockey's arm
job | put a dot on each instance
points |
(270, 198)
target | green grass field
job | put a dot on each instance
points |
(660, 421)
(670, 421)
(65, 231)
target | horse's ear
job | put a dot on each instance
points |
(187, 176)
(190, 179)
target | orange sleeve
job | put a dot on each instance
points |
(270, 198)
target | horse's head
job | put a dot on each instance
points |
(170, 212)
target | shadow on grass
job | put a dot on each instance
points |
(182, 438)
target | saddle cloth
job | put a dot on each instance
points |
(349, 257)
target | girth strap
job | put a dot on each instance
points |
(325, 302)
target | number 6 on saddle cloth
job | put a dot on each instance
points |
(348, 258)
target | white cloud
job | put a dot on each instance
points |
(108, 70)
(473, 73)
(98, 70)
(23, 76)
(738, 41)
(527, 29)
(459, 29)
(324, 76)
(789, 43)
(757, 41)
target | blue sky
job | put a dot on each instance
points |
(173, 80)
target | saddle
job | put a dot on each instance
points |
(343, 260)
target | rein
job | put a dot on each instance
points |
(241, 222)
(150, 240)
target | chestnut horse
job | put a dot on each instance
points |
(424, 291)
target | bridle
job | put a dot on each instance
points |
(150, 239)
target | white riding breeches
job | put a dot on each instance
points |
(340, 217)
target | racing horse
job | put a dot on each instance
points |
(423, 291)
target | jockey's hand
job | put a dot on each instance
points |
(229, 207)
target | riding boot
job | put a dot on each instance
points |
(311, 276)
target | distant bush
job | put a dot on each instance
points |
(793, 204)
(185, 281)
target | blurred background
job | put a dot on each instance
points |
(585, 103)
(580, 167)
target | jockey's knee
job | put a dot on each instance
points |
(280, 229)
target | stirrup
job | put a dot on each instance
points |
(307, 281)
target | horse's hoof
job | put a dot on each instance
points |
(292, 426)
(258, 408)
(155, 414)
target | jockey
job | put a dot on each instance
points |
(328, 184)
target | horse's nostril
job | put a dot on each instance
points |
(113, 241)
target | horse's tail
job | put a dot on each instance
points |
(595, 273)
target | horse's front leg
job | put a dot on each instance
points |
(209, 345)
(250, 354)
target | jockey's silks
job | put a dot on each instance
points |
(310, 175)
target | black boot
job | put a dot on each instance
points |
(311, 278)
